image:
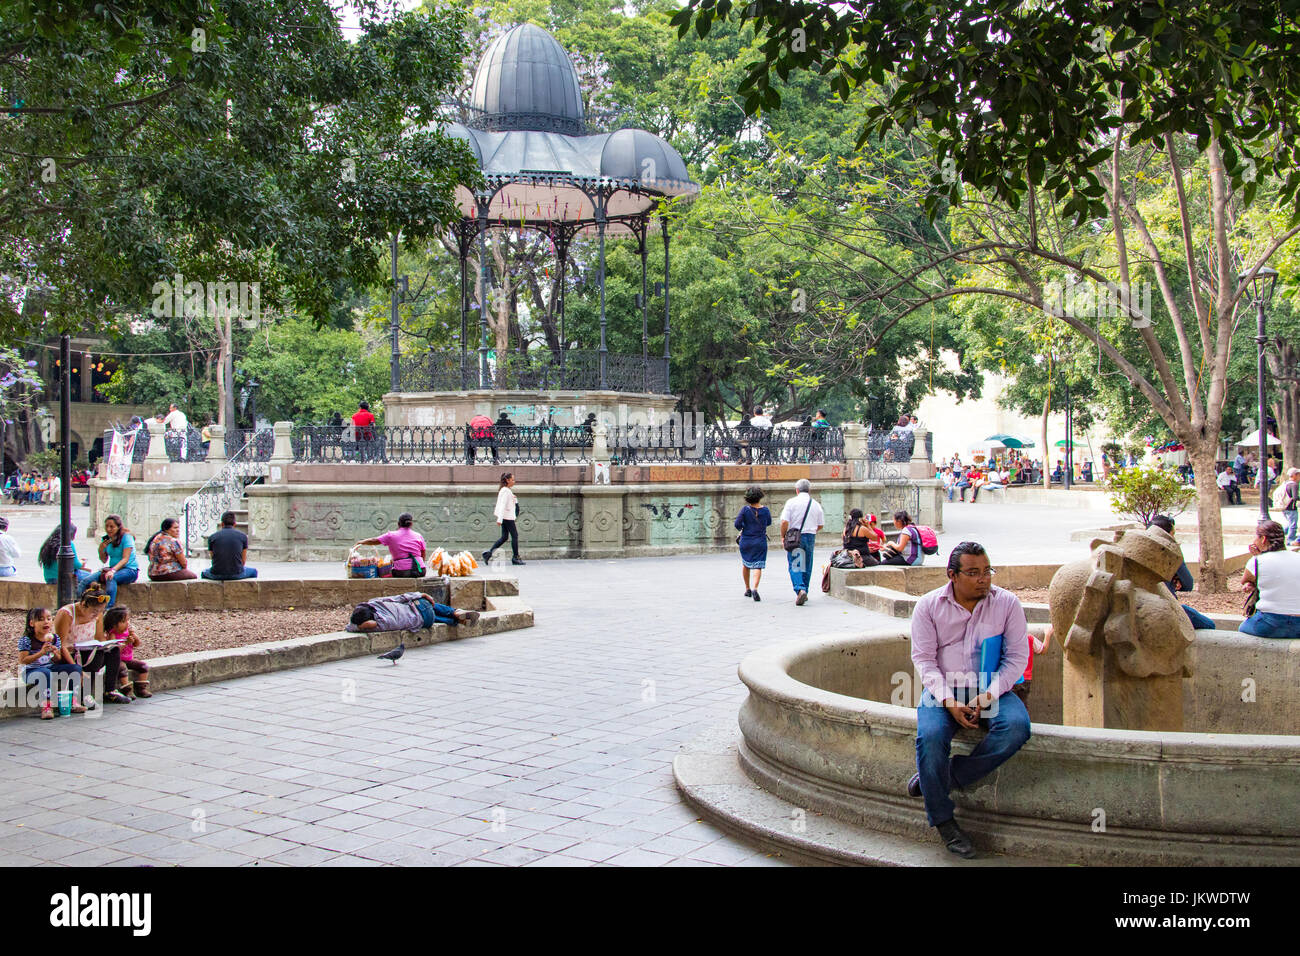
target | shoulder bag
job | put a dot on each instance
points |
(793, 534)
(1253, 597)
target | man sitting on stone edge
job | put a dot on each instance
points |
(948, 627)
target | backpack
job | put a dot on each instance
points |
(929, 540)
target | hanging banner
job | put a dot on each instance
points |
(120, 455)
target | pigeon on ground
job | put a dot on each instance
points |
(394, 654)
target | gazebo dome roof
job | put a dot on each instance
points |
(526, 81)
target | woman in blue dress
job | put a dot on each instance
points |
(753, 522)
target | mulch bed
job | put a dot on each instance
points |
(1229, 602)
(164, 633)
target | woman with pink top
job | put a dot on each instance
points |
(406, 545)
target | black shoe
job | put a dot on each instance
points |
(114, 697)
(802, 598)
(956, 840)
(756, 597)
(749, 592)
(518, 561)
(914, 786)
(487, 556)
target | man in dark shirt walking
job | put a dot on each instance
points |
(229, 548)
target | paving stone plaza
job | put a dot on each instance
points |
(550, 746)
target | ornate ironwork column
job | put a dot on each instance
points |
(462, 248)
(483, 378)
(663, 219)
(600, 230)
(642, 235)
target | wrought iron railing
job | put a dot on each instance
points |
(538, 369)
(252, 444)
(551, 444)
(439, 444)
(184, 446)
(202, 511)
(637, 444)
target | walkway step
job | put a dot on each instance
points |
(708, 774)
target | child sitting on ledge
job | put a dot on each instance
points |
(406, 612)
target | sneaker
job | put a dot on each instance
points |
(749, 592)
(47, 712)
(89, 702)
(914, 786)
(756, 597)
(956, 840)
(802, 598)
(468, 617)
(113, 697)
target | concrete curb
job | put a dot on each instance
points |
(506, 613)
(708, 774)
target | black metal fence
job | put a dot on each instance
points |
(440, 444)
(718, 444)
(535, 370)
(240, 448)
(552, 444)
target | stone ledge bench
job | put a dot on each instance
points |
(501, 613)
(201, 595)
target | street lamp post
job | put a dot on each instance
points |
(67, 576)
(1261, 282)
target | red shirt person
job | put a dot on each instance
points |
(363, 420)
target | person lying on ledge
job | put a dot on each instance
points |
(406, 612)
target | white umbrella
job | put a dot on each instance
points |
(988, 444)
(1252, 440)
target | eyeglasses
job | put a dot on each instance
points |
(973, 573)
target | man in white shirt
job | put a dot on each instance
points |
(803, 513)
(9, 551)
(177, 422)
(1228, 482)
(760, 420)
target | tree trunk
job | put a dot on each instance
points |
(1203, 456)
(1047, 457)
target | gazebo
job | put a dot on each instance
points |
(543, 170)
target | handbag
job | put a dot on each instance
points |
(1253, 597)
(793, 535)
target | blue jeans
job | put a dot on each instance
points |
(1268, 624)
(43, 676)
(8, 571)
(1289, 523)
(935, 728)
(431, 612)
(120, 576)
(800, 561)
(243, 575)
(1199, 621)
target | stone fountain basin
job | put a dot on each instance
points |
(830, 725)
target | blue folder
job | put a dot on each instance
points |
(991, 660)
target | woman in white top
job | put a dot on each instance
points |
(506, 511)
(1275, 573)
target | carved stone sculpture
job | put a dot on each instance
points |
(1126, 639)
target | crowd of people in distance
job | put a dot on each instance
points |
(31, 488)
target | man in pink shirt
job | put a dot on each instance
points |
(948, 627)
